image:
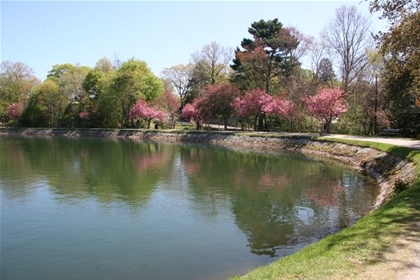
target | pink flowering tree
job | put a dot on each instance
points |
(281, 107)
(192, 113)
(327, 105)
(217, 102)
(250, 105)
(84, 115)
(14, 111)
(143, 110)
(171, 104)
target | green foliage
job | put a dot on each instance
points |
(266, 57)
(45, 107)
(16, 82)
(58, 70)
(400, 46)
(131, 82)
(109, 110)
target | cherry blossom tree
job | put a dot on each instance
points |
(281, 107)
(192, 113)
(84, 115)
(327, 105)
(144, 111)
(14, 111)
(217, 101)
(250, 105)
(171, 104)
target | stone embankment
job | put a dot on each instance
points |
(391, 172)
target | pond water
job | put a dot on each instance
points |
(122, 209)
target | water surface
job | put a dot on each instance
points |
(122, 209)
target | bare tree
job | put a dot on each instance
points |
(349, 38)
(212, 62)
(180, 77)
(305, 43)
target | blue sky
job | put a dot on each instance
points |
(161, 33)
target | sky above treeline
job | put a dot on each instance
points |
(161, 33)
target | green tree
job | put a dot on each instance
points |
(326, 72)
(400, 46)
(104, 65)
(267, 56)
(71, 87)
(58, 70)
(45, 107)
(16, 82)
(122, 88)
(96, 82)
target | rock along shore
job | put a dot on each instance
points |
(390, 171)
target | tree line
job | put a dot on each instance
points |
(357, 83)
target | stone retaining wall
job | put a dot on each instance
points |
(390, 171)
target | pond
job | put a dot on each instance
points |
(98, 208)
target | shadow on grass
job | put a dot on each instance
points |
(392, 227)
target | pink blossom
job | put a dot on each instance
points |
(327, 105)
(191, 112)
(279, 106)
(143, 110)
(14, 110)
(251, 103)
(84, 115)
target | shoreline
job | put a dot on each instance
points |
(388, 170)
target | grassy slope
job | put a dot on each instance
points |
(355, 251)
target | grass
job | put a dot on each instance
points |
(375, 247)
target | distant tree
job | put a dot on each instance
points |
(327, 105)
(144, 111)
(70, 85)
(348, 36)
(281, 107)
(84, 115)
(249, 107)
(304, 43)
(45, 107)
(266, 56)
(16, 82)
(211, 64)
(180, 77)
(58, 70)
(217, 101)
(15, 111)
(326, 72)
(192, 113)
(400, 45)
(170, 103)
(132, 81)
(104, 65)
